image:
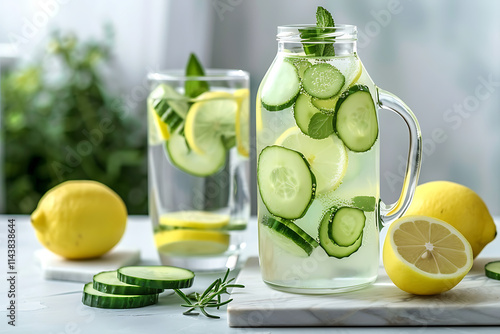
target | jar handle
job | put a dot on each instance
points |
(389, 101)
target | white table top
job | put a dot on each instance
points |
(55, 306)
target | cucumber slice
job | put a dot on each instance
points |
(301, 64)
(323, 80)
(289, 236)
(347, 226)
(492, 270)
(303, 111)
(92, 297)
(281, 87)
(193, 163)
(355, 120)
(327, 243)
(108, 282)
(158, 277)
(164, 97)
(286, 184)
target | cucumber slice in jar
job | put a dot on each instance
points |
(326, 242)
(303, 111)
(323, 80)
(108, 282)
(94, 298)
(194, 163)
(347, 226)
(286, 184)
(289, 236)
(281, 87)
(355, 119)
(492, 270)
(158, 277)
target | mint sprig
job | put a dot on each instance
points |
(320, 126)
(323, 20)
(194, 88)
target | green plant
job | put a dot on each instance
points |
(60, 122)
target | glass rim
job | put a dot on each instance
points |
(340, 32)
(211, 74)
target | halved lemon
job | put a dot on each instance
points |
(327, 157)
(425, 256)
(191, 242)
(242, 122)
(209, 120)
(195, 219)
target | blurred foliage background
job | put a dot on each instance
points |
(61, 122)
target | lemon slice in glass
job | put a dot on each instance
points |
(242, 122)
(209, 119)
(327, 157)
(425, 256)
(194, 219)
(191, 242)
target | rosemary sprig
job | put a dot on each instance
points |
(211, 297)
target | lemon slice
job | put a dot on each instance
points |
(158, 129)
(209, 119)
(242, 122)
(327, 157)
(426, 256)
(195, 219)
(191, 242)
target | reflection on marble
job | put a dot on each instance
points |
(474, 301)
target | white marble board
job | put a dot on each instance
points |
(474, 301)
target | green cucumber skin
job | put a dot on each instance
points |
(281, 106)
(124, 290)
(310, 74)
(342, 98)
(335, 250)
(290, 230)
(490, 273)
(313, 181)
(111, 302)
(337, 240)
(156, 284)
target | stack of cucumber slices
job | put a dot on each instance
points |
(333, 115)
(134, 286)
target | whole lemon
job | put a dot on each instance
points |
(460, 207)
(80, 219)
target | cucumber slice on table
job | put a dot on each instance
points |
(326, 242)
(492, 270)
(281, 87)
(158, 277)
(289, 236)
(194, 163)
(108, 282)
(323, 80)
(94, 298)
(347, 226)
(286, 184)
(355, 120)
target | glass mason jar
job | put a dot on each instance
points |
(318, 171)
(199, 201)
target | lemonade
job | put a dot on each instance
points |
(297, 249)
(319, 207)
(198, 167)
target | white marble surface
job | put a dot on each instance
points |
(47, 306)
(474, 301)
(55, 267)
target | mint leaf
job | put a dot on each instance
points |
(365, 203)
(324, 18)
(194, 88)
(320, 126)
